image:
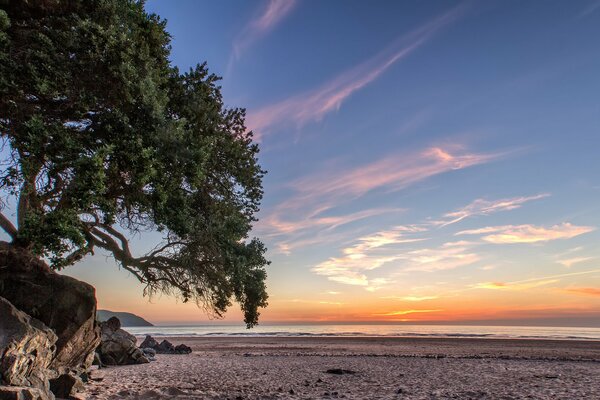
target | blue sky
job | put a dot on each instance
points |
(426, 160)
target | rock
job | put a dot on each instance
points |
(149, 342)
(113, 323)
(118, 347)
(149, 353)
(164, 347)
(65, 385)
(22, 393)
(64, 304)
(183, 349)
(27, 347)
(340, 371)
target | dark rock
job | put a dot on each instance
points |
(165, 347)
(340, 371)
(183, 349)
(149, 351)
(113, 323)
(149, 342)
(64, 304)
(65, 385)
(26, 350)
(118, 347)
(22, 393)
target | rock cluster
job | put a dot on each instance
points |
(164, 347)
(48, 331)
(118, 347)
(26, 350)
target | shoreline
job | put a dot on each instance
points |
(394, 368)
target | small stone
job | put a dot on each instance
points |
(340, 371)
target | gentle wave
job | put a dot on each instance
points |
(441, 331)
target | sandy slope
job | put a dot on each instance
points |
(386, 368)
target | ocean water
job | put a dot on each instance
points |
(516, 332)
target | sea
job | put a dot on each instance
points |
(352, 330)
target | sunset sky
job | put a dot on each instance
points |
(427, 161)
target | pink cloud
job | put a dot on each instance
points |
(391, 173)
(303, 213)
(315, 104)
(486, 207)
(528, 233)
(270, 16)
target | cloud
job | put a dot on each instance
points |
(274, 12)
(405, 312)
(315, 104)
(411, 298)
(301, 217)
(588, 291)
(391, 173)
(378, 283)
(448, 256)
(363, 256)
(590, 9)
(529, 283)
(528, 233)
(486, 207)
(569, 262)
(514, 285)
(276, 224)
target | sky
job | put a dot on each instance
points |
(427, 161)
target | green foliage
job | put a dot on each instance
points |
(106, 136)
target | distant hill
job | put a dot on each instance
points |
(127, 319)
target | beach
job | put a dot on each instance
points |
(372, 368)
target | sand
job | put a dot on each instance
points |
(385, 368)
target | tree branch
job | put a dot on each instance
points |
(8, 226)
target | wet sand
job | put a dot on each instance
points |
(384, 368)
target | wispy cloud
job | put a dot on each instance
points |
(391, 173)
(486, 207)
(305, 212)
(590, 9)
(569, 262)
(529, 283)
(272, 14)
(315, 104)
(361, 257)
(587, 291)
(405, 312)
(410, 298)
(514, 285)
(528, 233)
(448, 256)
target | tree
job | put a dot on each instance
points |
(103, 138)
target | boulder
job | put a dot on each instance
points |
(164, 347)
(22, 393)
(27, 348)
(64, 304)
(149, 342)
(183, 349)
(150, 353)
(118, 347)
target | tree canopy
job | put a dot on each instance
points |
(102, 138)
